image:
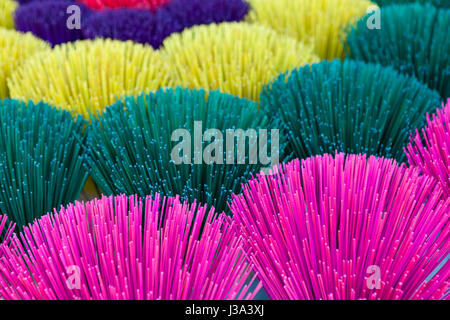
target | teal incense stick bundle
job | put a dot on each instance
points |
(185, 142)
(437, 3)
(41, 159)
(352, 107)
(412, 38)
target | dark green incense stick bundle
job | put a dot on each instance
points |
(175, 142)
(351, 107)
(41, 159)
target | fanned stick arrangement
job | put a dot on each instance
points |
(346, 227)
(41, 159)
(120, 248)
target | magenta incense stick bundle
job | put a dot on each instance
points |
(6, 230)
(128, 248)
(346, 227)
(430, 152)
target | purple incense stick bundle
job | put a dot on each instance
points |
(153, 27)
(431, 154)
(50, 20)
(346, 227)
(128, 248)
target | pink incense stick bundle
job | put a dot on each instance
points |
(128, 248)
(6, 231)
(430, 152)
(346, 227)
